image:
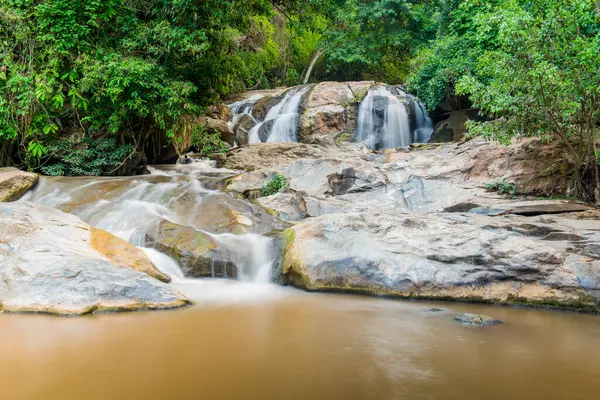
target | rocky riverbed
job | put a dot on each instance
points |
(412, 222)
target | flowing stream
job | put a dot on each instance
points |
(249, 339)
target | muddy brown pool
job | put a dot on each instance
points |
(243, 341)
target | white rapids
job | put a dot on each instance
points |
(127, 207)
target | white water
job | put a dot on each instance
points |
(383, 121)
(243, 107)
(283, 119)
(130, 207)
(424, 123)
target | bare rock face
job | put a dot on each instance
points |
(534, 167)
(224, 213)
(242, 128)
(52, 262)
(466, 257)
(15, 183)
(330, 110)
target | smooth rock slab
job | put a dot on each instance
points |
(441, 256)
(476, 319)
(15, 183)
(52, 262)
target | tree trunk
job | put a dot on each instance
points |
(315, 58)
(596, 174)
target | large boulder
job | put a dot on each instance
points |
(242, 128)
(196, 252)
(440, 256)
(52, 262)
(224, 213)
(330, 109)
(219, 125)
(534, 167)
(15, 183)
(452, 129)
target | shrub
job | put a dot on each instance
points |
(208, 141)
(89, 156)
(502, 186)
(276, 184)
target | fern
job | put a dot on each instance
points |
(89, 157)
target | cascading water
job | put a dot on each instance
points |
(130, 207)
(243, 107)
(281, 122)
(383, 121)
(424, 124)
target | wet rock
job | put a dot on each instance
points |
(242, 128)
(435, 310)
(52, 262)
(14, 183)
(476, 319)
(223, 213)
(563, 236)
(460, 256)
(119, 252)
(197, 253)
(341, 183)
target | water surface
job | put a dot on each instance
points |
(248, 341)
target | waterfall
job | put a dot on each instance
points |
(243, 107)
(131, 207)
(424, 124)
(383, 120)
(281, 122)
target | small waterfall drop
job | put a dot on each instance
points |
(384, 122)
(131, 207)
(243, 107)
(281, 122)
(424, 124)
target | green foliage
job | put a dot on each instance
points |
(207, 141)
(542, 79)
(531, 66)
(502, 186)
(87, 157)
(277, 184)
(123, 68)
(376, 38)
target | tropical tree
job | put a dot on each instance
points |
(542, 79)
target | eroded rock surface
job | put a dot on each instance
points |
(53, 262)
(441, 256)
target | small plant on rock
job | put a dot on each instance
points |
(502, 186)
(277, 184)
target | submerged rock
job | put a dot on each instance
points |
(476, 319)
(53, 262)
(15, 183)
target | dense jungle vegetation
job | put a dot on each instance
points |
(91, 87)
